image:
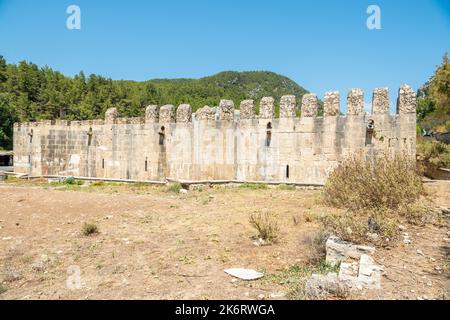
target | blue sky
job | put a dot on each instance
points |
(322, 44)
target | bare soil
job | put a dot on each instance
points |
(155, 244)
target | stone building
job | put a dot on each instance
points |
(171, 143)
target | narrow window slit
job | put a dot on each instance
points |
(89, 137)
(162, 135)
(268, 134)
(369, 132)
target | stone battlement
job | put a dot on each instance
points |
(220, 143)
(309, 108)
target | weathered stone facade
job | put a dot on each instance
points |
(248, 110)
(267, 108)
(205, 113)
(152, 114)
(380, 101)
(309, 105)
(169, 143)
(226, 110)
(167, 114)
(406, 102)
(287, 107)
(355, 102)
(331, 104)
(184, 113)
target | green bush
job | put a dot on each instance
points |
(174, 187)
(253, 186)
(432, 154)
(71, 181)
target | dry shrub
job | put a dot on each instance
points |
(387, 182)
(376, 194)
(347, 226)
(266, 225)
(420, 213)
(89, 229)
(316, 244)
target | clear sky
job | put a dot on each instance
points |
(321, 44)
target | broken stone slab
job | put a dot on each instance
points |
(338, 250)
(369, 272)
(365, 275)
(244, 274)
(319, 286)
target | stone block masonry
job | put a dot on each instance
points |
(174, 143)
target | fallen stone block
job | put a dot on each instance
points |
(338, 250)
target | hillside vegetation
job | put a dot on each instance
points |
(30, 93)
(433, 118)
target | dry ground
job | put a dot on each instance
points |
(155, 244)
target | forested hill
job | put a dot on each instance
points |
(32, 93)
(236, 86)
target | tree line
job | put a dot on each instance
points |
(30, 93)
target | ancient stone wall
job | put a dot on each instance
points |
(173, 143)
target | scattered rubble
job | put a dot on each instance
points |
(357, 270)
(406, 238)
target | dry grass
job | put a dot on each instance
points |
(387, 182)
(377, 195)
(266, 225)
(156, 245)
(316, 242)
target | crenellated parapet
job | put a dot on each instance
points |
(310, 105)
(248, 109)
(267, 108)
(205, 113)
(226, 110)
(331, 104)
(184, 113)
(287, 106)
(380, 101)
(355, 102)
(152, 114)
(167, 114)
(406, 104)
(406, 101)
(111, 115)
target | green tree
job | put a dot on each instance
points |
(7, 119)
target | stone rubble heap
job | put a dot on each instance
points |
(357, 271)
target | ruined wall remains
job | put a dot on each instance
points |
(170, 143)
